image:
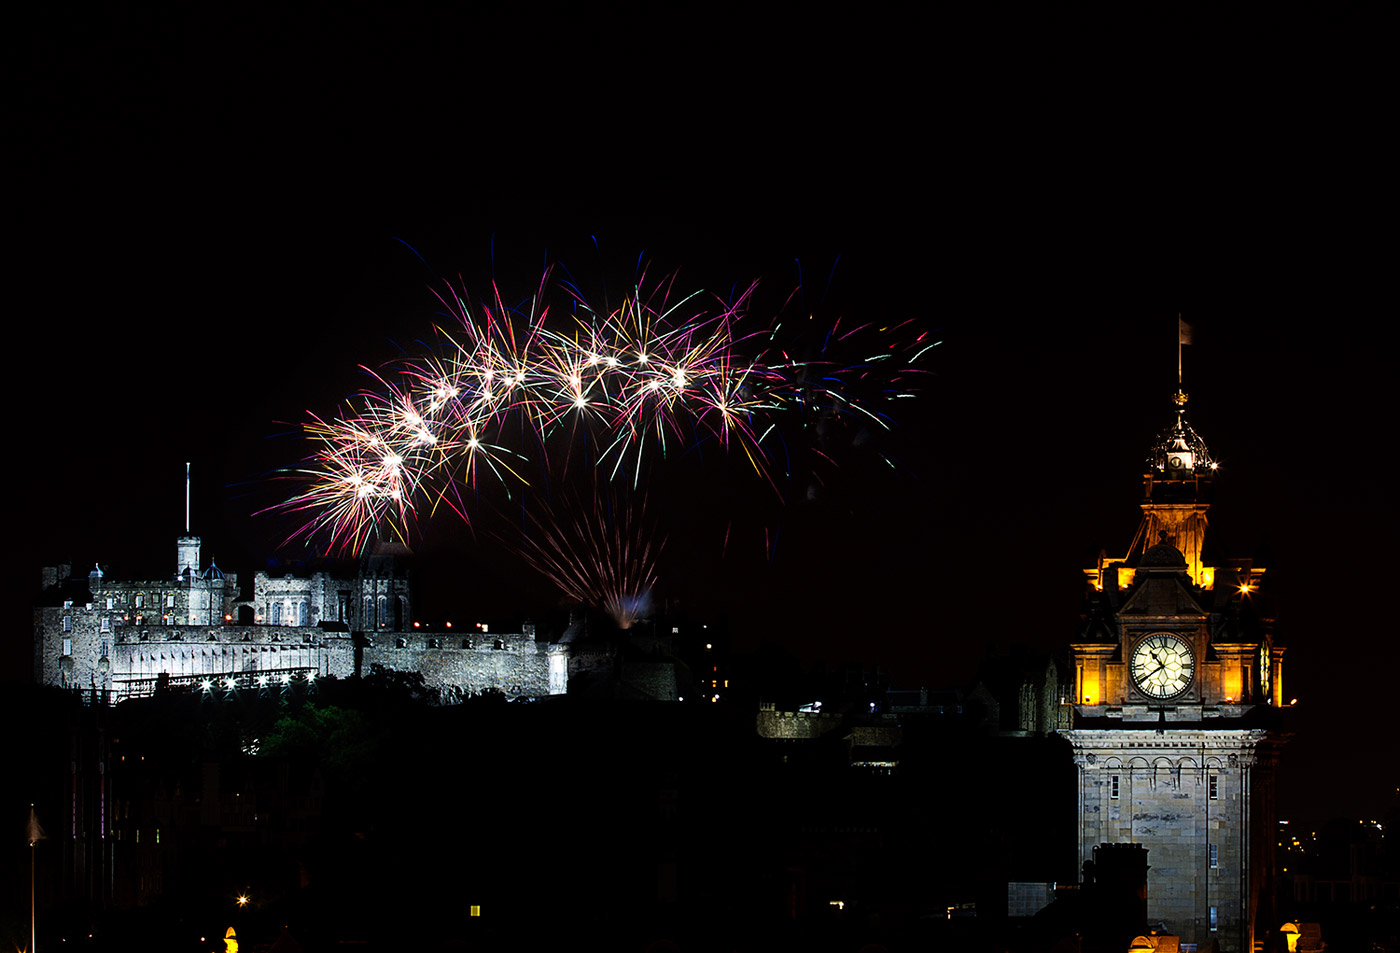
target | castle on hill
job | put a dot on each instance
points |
(193, 630)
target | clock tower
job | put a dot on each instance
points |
(1178, 693)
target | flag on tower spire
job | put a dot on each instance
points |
(1183, 336)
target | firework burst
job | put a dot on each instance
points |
(510, 400)
(598, 551)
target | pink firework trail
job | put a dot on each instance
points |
(597, 551)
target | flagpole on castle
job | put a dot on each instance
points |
(36, 834)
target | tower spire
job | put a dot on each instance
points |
(187, 498)
(1177, 483)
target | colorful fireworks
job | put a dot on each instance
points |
(513, 396)
(600, 551)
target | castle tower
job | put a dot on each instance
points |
(187, 546)
(1177, 701)
(187, 557)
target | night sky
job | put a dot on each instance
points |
(215, 227)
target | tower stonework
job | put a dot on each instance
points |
(1178, 697)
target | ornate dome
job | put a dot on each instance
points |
(1179, 451)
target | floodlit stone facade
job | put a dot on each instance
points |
(114, 639)
(1198, 800)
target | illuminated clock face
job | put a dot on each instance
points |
(1163, 665)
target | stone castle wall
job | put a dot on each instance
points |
(796, 725)
(522, 668)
